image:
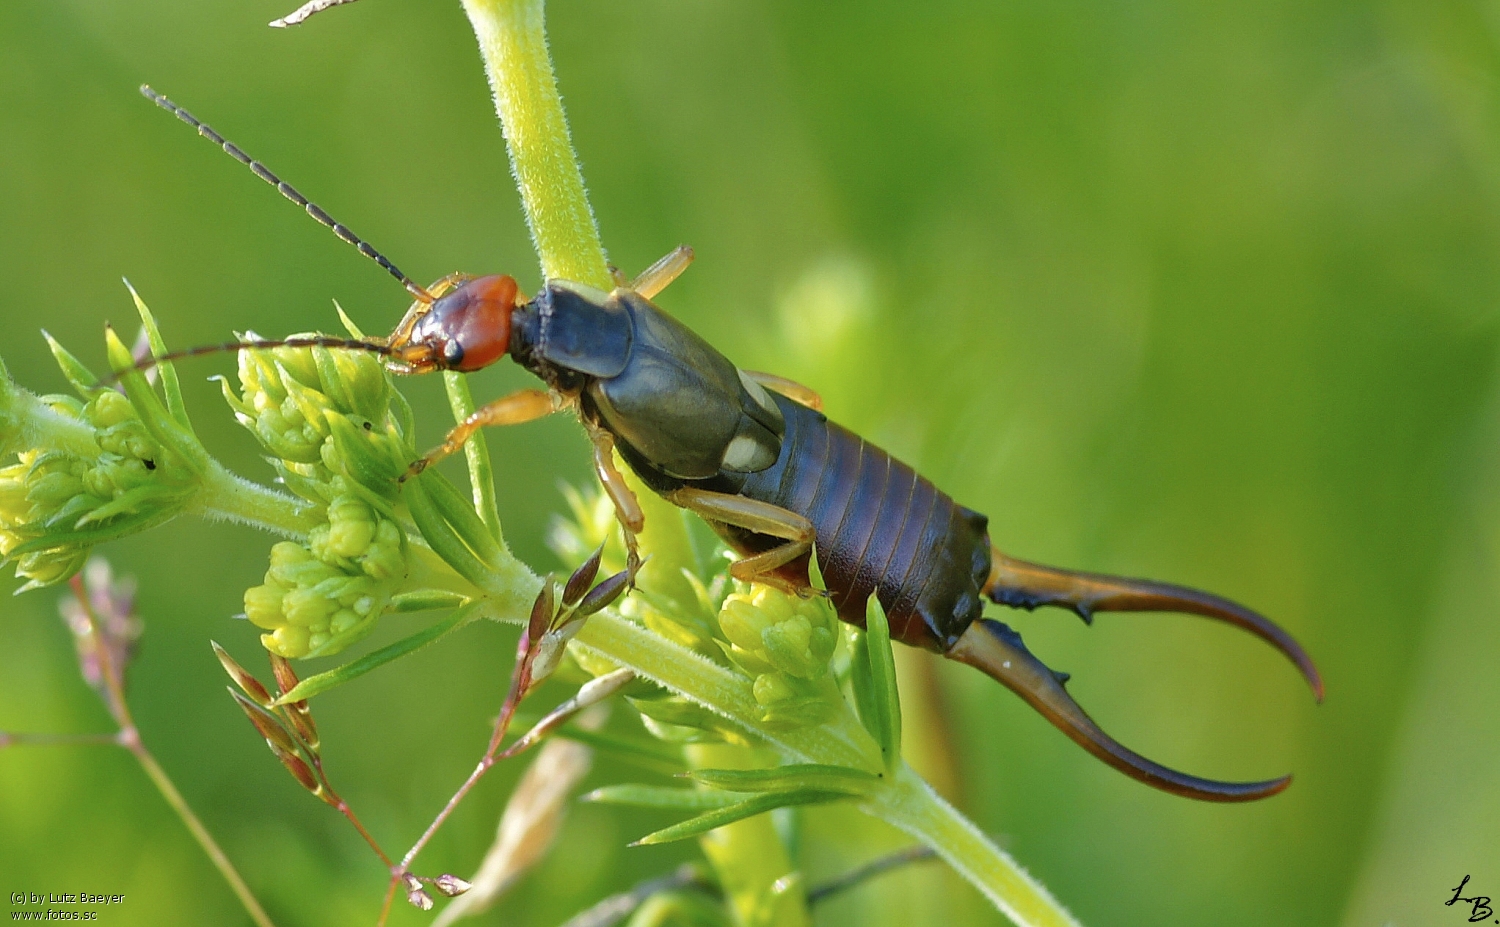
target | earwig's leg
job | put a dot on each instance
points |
(1020, 584)
(627, 506)
(759, 517)
(449, 282)
(618, 276)
(998, 651)
(660, 275)
(521, 406)
(791, 389)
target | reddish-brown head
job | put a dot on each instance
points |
(468, 328)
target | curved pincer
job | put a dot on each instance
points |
(997, 650)
(1020, 584)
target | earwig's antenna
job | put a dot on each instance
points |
(288, 191)
(311, 341)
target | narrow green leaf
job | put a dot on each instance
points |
(476, 453)
(132, 501)
(158, 421)
(426, 600)
(815, 572)
(361, 462)
(791, 778)
(333, 384)
(231, 398)
(679, 712)
(884, 699)
(441, 537)
(662, 797)
(131, 524)
(349, 325)
(459, 512)
(81, 377)
(169, 383)
(322, 682)
(715, 819)
(406, 421)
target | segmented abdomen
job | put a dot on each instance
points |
(880, 527)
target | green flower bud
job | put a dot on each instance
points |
(365, 378)
(44, 568)
(304, 606)
(323, 414)
(289, 642)
(263, 606)
(53, 488)
(793, 703)
(110, 408)
(770, 629)
(770, 690)
(321, 596)
(128, 439)
(351, 528)
(385, 559)
(13, 501)
(343, 620)
(298, 364)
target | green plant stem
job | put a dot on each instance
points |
(476, 454)
(228, 497)
(513, 42)
(841, 742)
(910, 804)
(34, 424)
(748, 855)
(129, 737)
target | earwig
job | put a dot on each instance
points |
(754, 456)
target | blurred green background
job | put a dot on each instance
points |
(1199, 290)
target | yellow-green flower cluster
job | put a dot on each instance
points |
(323, 595)
(325, 417)
(785, 643)
(55, 504)
(322, 413)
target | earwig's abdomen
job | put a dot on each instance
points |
(880, 527)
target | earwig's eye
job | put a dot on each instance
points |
(453, 353)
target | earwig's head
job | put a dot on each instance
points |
(467, 328)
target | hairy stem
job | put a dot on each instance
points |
(910, 804)
(228, 497)
(513, 41)
(476, 454)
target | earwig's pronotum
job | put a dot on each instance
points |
(753, 455)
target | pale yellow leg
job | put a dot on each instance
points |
(521, 406)
(660, 275)
(627, 506)
(791, 389)
(759, 517)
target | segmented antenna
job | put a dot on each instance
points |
(311, 341)
(288, 191)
